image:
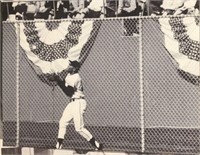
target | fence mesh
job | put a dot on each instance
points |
(112, 75)
(170, 102)
(9, 84)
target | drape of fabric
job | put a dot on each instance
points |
(182, 41)
(50, 45)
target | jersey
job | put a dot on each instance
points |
(75, 81)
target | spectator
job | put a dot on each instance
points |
(20, 8)
(68, 9)
(130, 7)
(110, 8)
(154, 8)
(141, 5)
(34, 10)
(44, 9)
(95, 9)
(61, 9)
(177, 7)
(76, 7)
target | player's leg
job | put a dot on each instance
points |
(64, 121)
(80, 108)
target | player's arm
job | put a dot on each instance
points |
(67, 89)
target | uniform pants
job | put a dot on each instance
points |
(75, 111)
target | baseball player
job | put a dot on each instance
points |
(73, 87)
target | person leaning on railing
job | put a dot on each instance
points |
(130, 7)
(32, 10)
(95, 9)
(77, 6)
(68, 9)
(20, 9)
(177, 7)
(43, 11)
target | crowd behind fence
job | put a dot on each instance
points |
(62, 9)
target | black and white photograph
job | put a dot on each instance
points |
(100, 77)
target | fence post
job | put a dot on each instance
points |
(141, 85)
(1, 107)
(17, 85)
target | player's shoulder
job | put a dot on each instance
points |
(76, 76)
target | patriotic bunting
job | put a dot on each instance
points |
(49, 45)
(182, 41)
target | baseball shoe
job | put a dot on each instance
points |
(100, 148)
(59, 143)
(59, 146)
(95, 144)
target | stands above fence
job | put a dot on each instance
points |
(78, 9)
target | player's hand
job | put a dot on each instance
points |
(57, 78)
(50, 77)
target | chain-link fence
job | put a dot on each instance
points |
(138, 100)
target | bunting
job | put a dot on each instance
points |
(49, 45)
(182, 41)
